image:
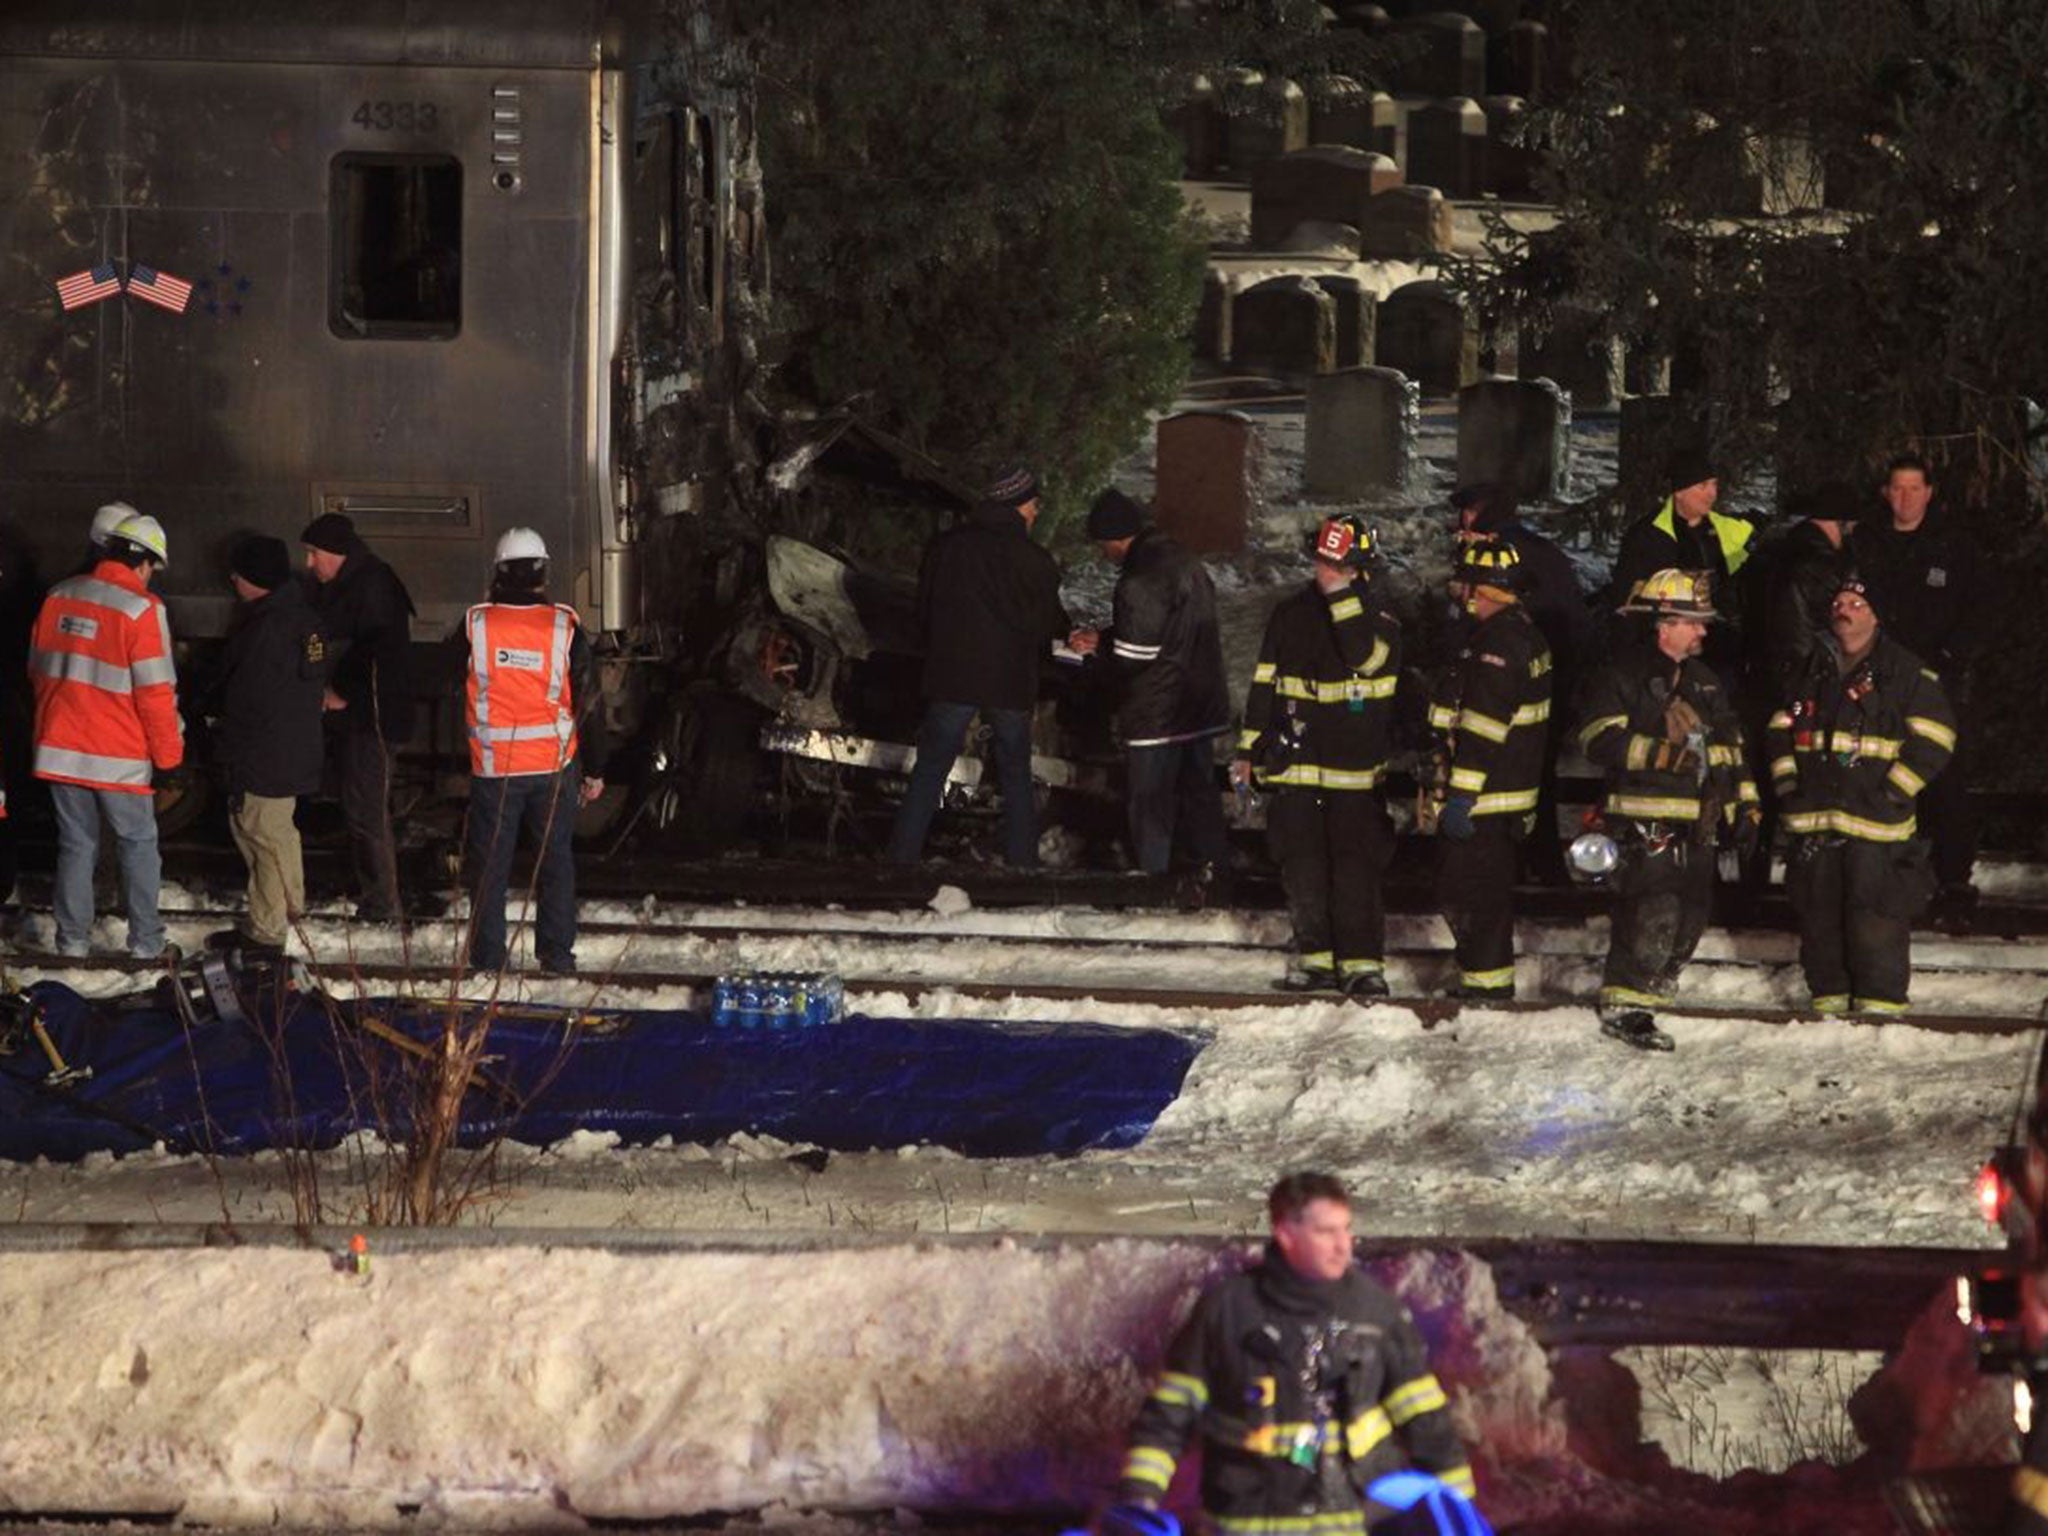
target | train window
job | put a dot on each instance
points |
(397, 263)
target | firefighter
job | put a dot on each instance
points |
(1491, 719)
(366, 621)
(1306, 1381)
(1316, 735)
(1172, 701)
(1856, 743)
(534, 759)
(273, 671)
(106, 721)
(1665, 731)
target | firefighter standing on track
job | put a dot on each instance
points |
(1491, 717)
(1664, 729)
(1316, 735)
(532, 683)
(1851, 749)
(1306, 1380)
(106, 720)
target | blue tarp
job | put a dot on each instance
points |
(314, 1071)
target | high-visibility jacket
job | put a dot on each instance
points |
(522, 704)
(106, 688)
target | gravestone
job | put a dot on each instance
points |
(1517, 433)
(1199, 127)
(1403, 223)
(1329, 183)
(1207, 480)
(1447, 147)
(1579, 352)
(1357, 318)
(1362, 429)
(1786, 173)
(1444, 55)
(1339, 242)
(1427, 334)
(1212, 319)
(1510, 165)
(1518, 61)
(1342, 111)
(1363, 17)
(1262, 119)
(1285, 326)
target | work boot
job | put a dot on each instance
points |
(1636, 1027)
(1365, 986)
(1308, 978)
(1467, 992)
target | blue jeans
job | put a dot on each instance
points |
(132, 820)
(546, 804)
(939, 741)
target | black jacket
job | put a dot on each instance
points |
(1240, 1371)
(1553, 598)
(1802, 572)
(1928, 587)
(1164, 648)
(1624, 720)
(365, 614)
(990, 604)
(1321, 704)
(1491, 715)
(1850, 751)
(273, 668)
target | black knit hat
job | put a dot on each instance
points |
(331, 532)
(1687, 466)
(1115, 516)
(1013, 485)
(262, 562)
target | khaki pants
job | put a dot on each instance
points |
(269, 841)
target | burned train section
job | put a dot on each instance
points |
(449, 267)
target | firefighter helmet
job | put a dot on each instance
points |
(145, 533)
(1348, 540)
(1491, 563)
(1671, 594)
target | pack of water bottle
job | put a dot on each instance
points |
(776, 999)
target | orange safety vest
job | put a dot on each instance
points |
(106, 688)
(522, 708)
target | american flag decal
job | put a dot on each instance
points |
(159, 288)
(88, 287)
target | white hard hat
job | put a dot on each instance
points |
(520, 544)
(105, 520)
(141, 529)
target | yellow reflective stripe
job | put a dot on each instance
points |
(1482, 725)
(1310, 776)
(1854, 745)
(2031, 1489)
(1320, 960)
(1630, 997)
(1309, 690)
(1834, 1002)
(1331, 1522)
(1471, 780)
(1533, 714)
(1247, 739)
(1880, 1005)
(1593, 728)
(1933, 730)
(1378, 658)
(1442, 717)
(1849, 826)
(1505, 801)
(1784, 768)
(1150, 1466)
(1414, 1398)
(1724, 757)
(1361, 967)
(1504, 977)
(1655, 807)
(1746, 791)
(1459, 1480)
(1638, 751)
(1179, 1388)
(1366, 1431)
(1265, 672)
(1346, 608)
(1907, 781)
(1781, 721)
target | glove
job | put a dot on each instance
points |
(1681, 720)
(1749, 832)
(1674, 757)
(1455, 819)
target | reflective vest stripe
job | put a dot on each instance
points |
(90, 589)
(88, 767)
(77, 667)
(521, 704)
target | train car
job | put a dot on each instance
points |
(448, 266)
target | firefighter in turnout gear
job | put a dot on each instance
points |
(1316, 736)
(1864, 733)
(1490, 716)
(1306, 1382)
(532, 684)
(1664, 730)
(106, 723)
